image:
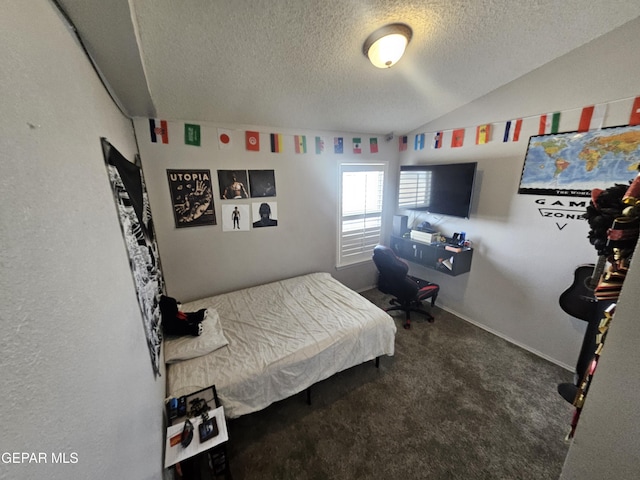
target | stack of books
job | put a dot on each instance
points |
(425, 237)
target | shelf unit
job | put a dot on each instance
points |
(434, 255)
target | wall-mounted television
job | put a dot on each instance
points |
(445, 189)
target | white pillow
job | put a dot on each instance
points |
(212, 338)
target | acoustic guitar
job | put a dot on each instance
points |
(579, 300)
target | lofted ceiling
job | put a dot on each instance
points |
(299, 63)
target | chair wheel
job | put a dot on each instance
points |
(407, 326)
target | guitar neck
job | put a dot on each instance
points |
(597, 271)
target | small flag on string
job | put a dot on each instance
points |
(437, 140)
(276, 142)
(357, 145)
(549, 123)
(418, 143)
(319, 145)
(458, 138)
(373, 145)
(338, 145)
(224, 139)
(300, 142)
(252, 140)
(402, 143)
(592, 117)
(192, 134)
(483, 133)
(512, 130)
(158, 128)
(634, 119)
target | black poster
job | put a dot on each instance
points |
(192, 197)
(134, 212)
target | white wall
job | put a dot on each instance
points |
(205, 260)
(75, 369)
(522, 260)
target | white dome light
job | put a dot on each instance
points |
(385, 46)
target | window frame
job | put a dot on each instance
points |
(369, 236)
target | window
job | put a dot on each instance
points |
(361, 196)
(415, 189)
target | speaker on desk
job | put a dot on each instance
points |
(399, 225)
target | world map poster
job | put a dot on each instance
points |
(573, 164)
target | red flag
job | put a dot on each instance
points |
(592, 117)
(253, 141)
(635, 112)
(458, 138)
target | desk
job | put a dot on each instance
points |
(435, 255)
(213, 450)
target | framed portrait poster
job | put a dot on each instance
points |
(262, 183)
(191, 197)
(233, 184)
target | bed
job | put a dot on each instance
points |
(282, 338)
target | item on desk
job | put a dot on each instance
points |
(182, 406)
(208, 429)
(187, 434)
(176, 439)
(448, 262)
(172, 407)
(425, 237)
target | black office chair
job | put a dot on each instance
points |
(408, 291)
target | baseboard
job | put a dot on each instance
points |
(364, 289)
(508, 339)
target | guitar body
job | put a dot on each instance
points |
(578, 300)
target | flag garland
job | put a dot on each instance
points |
(483, 133)
(300, 143)
(437, 140)
(276, 142)
(357, 145)
(158, 129)
(192, 134)
(549, 123)
(591, 118)
(224, 139)
(252, 141)
(458, 138)
(512, 130)
(634, 118)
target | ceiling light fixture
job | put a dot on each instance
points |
(385, 46)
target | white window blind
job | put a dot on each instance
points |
(415, 189)
(361, 200)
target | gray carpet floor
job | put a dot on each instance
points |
(454, 402)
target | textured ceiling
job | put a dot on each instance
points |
(299, 63)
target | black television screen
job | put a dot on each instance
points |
(444, 189)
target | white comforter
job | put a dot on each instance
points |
(283, 337)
